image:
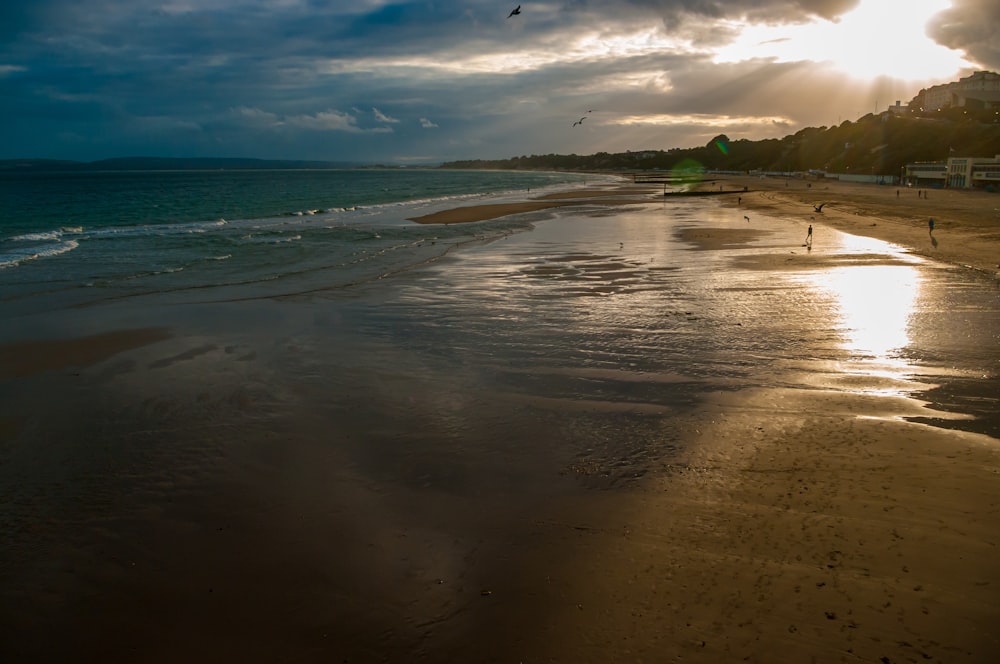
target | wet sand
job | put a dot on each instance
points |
(530, 451)
(29, 357)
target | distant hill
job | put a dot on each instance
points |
(166, 164)
(872, 145)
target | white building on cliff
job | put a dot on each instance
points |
(980, 90)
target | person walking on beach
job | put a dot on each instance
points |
(809, 236)
(930, 224)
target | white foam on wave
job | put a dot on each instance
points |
(37, 237)
(15, 258)
(157, 230)
(270, 238)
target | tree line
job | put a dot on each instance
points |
(872, 145)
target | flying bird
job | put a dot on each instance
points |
(579, 122)
(515, 12)
(819, 208)
(747, 218)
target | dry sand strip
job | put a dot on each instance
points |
(966, 229)
(602, 197)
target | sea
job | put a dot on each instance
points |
(74, 238)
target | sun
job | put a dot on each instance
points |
(876, 39)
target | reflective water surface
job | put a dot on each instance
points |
(379, 448)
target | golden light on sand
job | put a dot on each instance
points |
(877, 39)
(875, 304)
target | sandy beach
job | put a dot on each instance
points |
(636, 433)
(966, 223)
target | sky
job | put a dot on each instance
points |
(422, 82)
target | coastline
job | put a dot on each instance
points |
(488, 463)
(796, 525)
(966, 223)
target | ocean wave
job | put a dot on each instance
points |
(157, 230)
(269, 237)
(15, 258)
(36, 237)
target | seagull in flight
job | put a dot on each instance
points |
(819, 208)
(580, 121)
(515, 12)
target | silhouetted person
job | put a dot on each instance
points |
(809, 236)
(930, 224)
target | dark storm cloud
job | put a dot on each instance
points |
(371, 78)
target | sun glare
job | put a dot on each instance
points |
(877, 39)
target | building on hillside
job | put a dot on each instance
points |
(978, 99)
(898, 109)
(925, 174)
(982, 87)
(956, 173)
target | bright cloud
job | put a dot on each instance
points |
(699, 120)
(879, 38)
(382, 117)
(332, 121)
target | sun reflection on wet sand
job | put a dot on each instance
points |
(873, 306)
(875, 303)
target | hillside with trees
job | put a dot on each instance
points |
(872, 145)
